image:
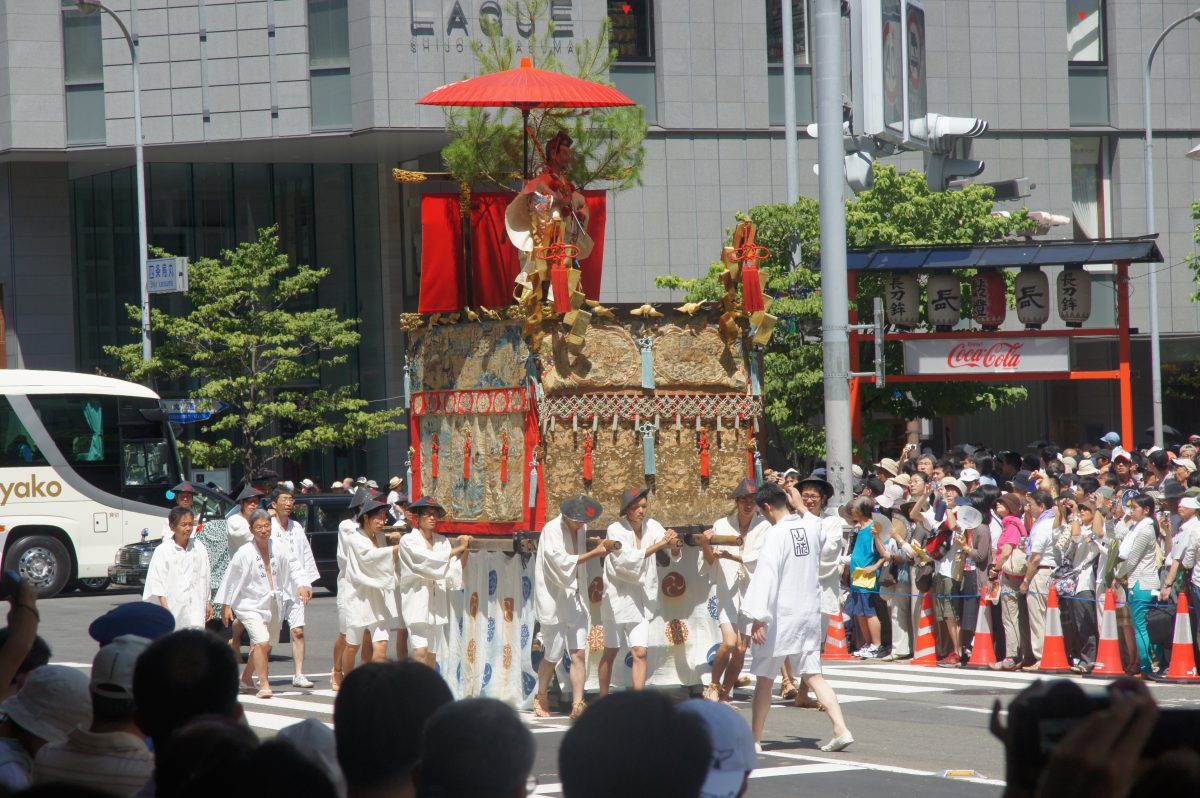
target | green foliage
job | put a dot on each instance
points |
(250, 342)
(487, 142)
(899, 210)
(1193, 260)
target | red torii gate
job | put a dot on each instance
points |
(1120, 252)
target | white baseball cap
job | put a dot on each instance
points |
(732, 745)
(892, 495)
(1190, 502)
(307, 483)
(112, 668)
(54, 700)
(968, 475)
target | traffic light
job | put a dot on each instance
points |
(941, 170)
(944, 132)
(859, 161)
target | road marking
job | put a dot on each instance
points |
(284, 703)
(932, 678)
(884, 688)
(1027, 678)
(873, 766)
(979, 710)
(760, 773)
(262, 720)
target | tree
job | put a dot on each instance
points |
(487, 143)
(1193, 260)
(249, 342)
(899, 210)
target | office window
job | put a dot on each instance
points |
(1085, 31)
(775, 31)
(1089, 187)
(83, 72)
(632, 29)
(329, 63)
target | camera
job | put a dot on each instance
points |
(1041, 716)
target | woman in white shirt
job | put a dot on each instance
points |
(631, 585)
(178, 577)
(258, 581)
(1079, 543)
(430, 566)
(1139, 567)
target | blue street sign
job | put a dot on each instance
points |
(189, 411)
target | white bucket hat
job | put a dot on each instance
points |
(54, 700)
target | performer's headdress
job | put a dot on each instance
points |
(559, 139)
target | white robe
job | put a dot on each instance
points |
(730, 576)
(295, 543)
(245, 587)
(630, 577)
(370, 574)
(751, 546)
(831, 570)
(785, 590)
(239, 533)
(427, 573)
(181, 576)
(561, 583)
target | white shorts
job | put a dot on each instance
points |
(424, 635)
(561, 638)
(379, 634)
(294, 610)
(803, 664)
(627, 635)
(261, 630)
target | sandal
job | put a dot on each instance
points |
(264, 693)
(725, 697)
(335, 680)
(541, 706)
(713, 692)
(804, 701)
(787, 690)
(577, 709)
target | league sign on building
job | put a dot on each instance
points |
(969, 358)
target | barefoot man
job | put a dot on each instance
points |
(784, 602)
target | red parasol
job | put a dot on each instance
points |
(526, 88)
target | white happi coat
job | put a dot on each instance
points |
(239, 533)
(295, 544)
(561, 583)
(785, 590)
(181, 575)
(370, 575)
(630, 577)
(831, 570)
(427, 573)
(245, 587)
(730, 576)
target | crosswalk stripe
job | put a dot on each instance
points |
(1027, 678)
(284, 703)
(800, 770)
(934, 678)
(269, 722)
(843, 684)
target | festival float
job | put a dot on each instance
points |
(523, 390)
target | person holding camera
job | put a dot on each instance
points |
(1138, 554)
(1080, 533)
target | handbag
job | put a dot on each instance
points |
(889, 576)
(1065, 580)
(1016, 564)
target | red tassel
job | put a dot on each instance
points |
(752, 293)
(587, 457)
(562, 291)
(436, 446)
(467, 457)
(504, 457)
(705, 463)
(750, 463)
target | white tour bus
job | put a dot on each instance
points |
(85, 466)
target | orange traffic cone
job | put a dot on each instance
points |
(1183, 661)
(1054, 650)
(926, 650)
(1108, 654)
(835, 639)
(983, 649)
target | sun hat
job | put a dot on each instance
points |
(889, 465)
(337, 484)
(732, 745)
(1087, 468)
(747, 487)
(1187, 463)
(580, 509)
(425, 503)
(371, 505)
(902, 480)
(818, 481)
(249, 492)
(307, 483)
(53, 701)
(394, 483)
(141, 618)
(891, 496)
(630, 496)
(957, 484)
(112, 668)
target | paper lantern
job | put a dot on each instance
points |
(1033, 298)
(944, 300)
(988, 295)
(1074, 295)
(902, 299)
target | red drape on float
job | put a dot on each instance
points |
(494, 263)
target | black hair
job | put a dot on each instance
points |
(474, 748)
(1193, 480)
(984, 500)
(947, 465)
(908, 467)
(772, 495)
(636, 745)
(1042, 498)
(112, 710)
(1088, 484)
(1146, 502)
(1160, 460)
(278, 768)
(182, 676)
(1054, 468)
(282, 491)
(1111, 480)
(203, 757)
(1013, 459)
(1030, 462)
(39, 654)
(985, 465)
(176, 515)
(380, 711)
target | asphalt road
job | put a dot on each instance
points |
(918, 731)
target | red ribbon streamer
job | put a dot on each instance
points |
(750, 462)
(504, 457)
(748, 254)
(467, 457)
(588, 445)
(436, 446)
(705, 462)
(558, 253)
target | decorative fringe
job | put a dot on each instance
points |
(561, 287)
(504, 457)
(408, 474)
(588, 445)
(467, 455)
(407, 384)
(650, 467)
(752, 293)
(758, 470)
(533, 481)
(436, 446)
(705, 463)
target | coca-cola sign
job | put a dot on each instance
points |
(986, 356)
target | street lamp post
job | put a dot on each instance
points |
(1155, 353)
(88, 7)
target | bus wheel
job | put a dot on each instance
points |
(94, 584)
(41, 559)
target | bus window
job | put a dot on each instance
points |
(84, 428)
(145, 463)
(16, 447)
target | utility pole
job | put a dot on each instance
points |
(791, 146)
(834, 288)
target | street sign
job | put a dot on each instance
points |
(189, 411)
(167, 275)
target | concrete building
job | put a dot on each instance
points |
(295, 111)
